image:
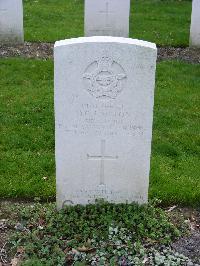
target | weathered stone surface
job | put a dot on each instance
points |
(195, 24)
(11, 22)
(107, 18)
(104, 94)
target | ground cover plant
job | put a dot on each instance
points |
(101, 234)
(163, 22)
(27, 168)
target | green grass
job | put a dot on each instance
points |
(176, 137)
(27, 131)
(165, 22)
(27, 134)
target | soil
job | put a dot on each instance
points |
(5, 232)
(189, 55)
(188, 245)
(28, 50)
(45, 51)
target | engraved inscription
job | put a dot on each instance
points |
(102, 158)
(103, 192)
(104, 78)
(103, 119)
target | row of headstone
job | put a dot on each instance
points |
(102, 18)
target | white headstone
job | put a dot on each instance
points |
(107, 18)
(11, 21)
(104, 94)
(195, 24)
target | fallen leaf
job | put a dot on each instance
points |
(20, 250)
(41, 222)
(152, 241)
(75, 251)
(30, 226)
(15, 262)
(67, 250)
(192, 226)
(171, 208)
(85, 249)
(88, 243)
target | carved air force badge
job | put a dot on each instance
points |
(104, 78)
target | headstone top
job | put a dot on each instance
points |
(105, 39)
(107, 17)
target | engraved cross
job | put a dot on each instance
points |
(102, 158)
(106, 12)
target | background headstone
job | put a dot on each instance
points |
(195, 24)
(11, 21)
(104, 94)
(107, 18)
